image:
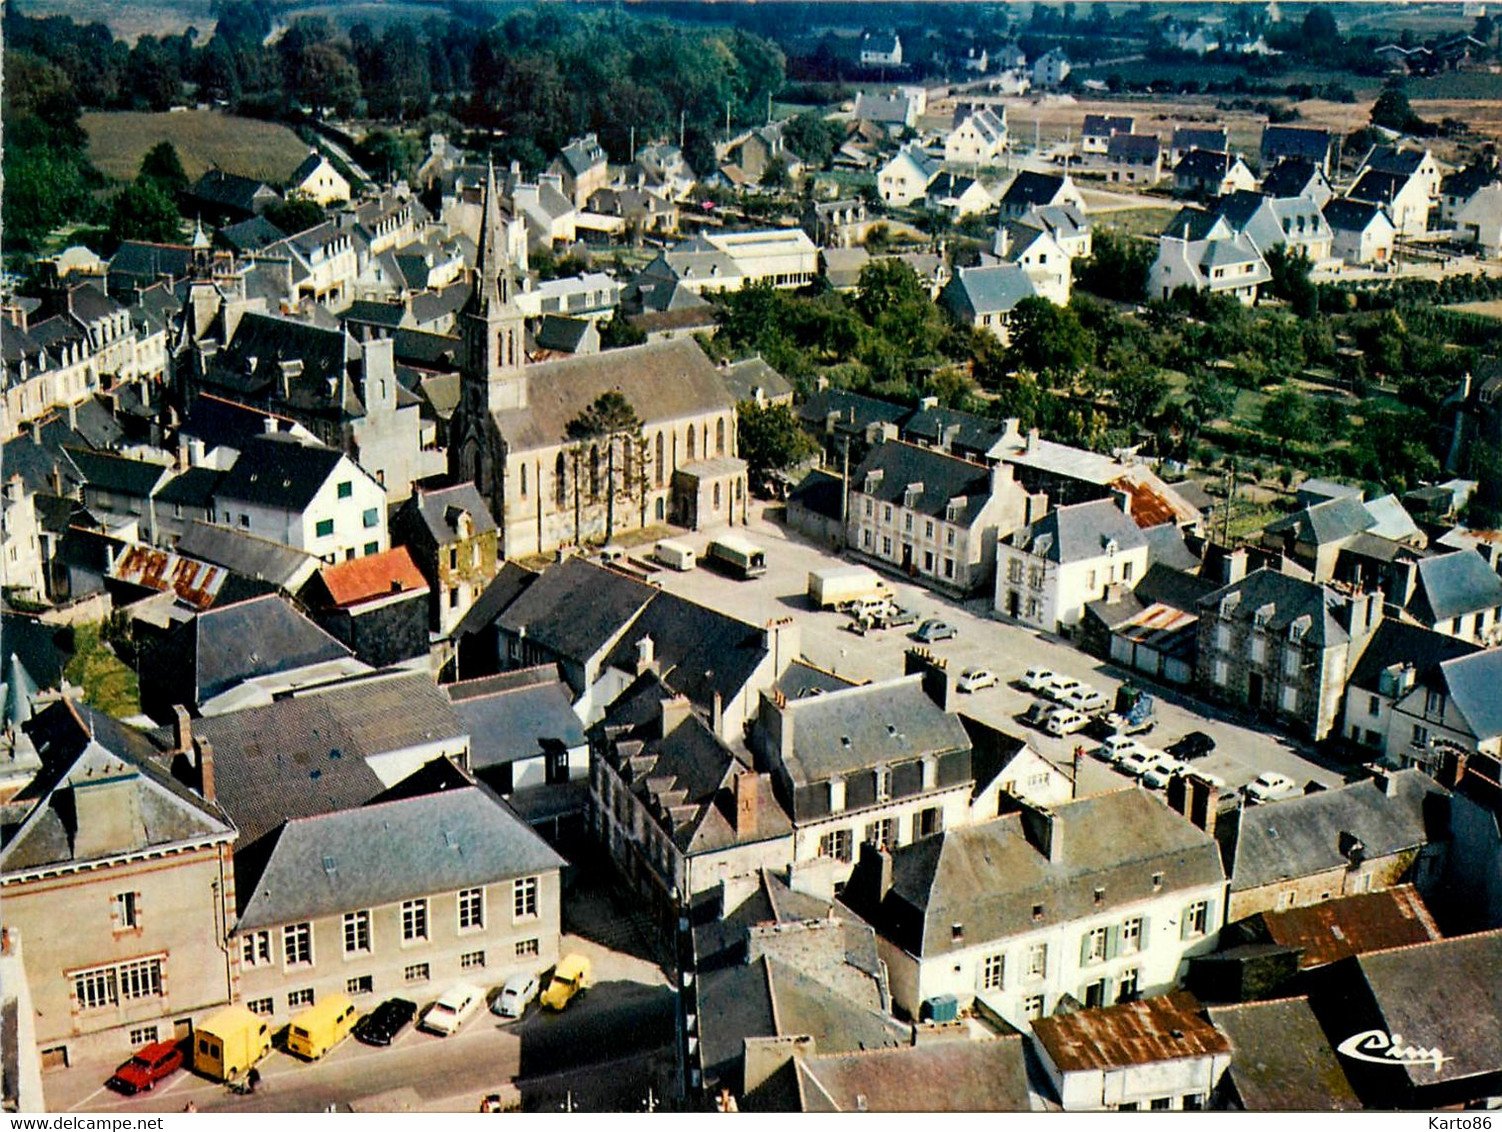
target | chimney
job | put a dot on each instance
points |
(1407, 579)
(1043, 828)
(927, 403)
(1123, 500)
(1452, 767)
(182, 728)
(73, 416)
(646, 655)
(206, 770)
(1032, 439)
(875, 865)
(781, 638)
(746, 786)
(1385, 780)
(1037, 507)
(716, 713)
(776, 723)
(1235, 566)
(937, 683)
(672, 711)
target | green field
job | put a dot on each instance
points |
(204, 138)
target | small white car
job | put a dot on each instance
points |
(1164, 767)
(1136, 764)
(1268, 786)
(1060, 687)
(974, 679)
(1085, 700)
(1066, 721)
(453, 1008)
(1116, 748)
(514, 996)
(1038, 679)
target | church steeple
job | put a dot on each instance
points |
(493, 324)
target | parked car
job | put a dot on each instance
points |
(1164, 768)
(381, 1026)
(150, 1064)
(974, 679)
(514, 996)
(1136, 764)
(1059, 687)
(456, 1006)
(1085, 700)
(1267, 787)
(1038, 679)
(570, 978)
(1066, 721)
(1037, 714)
(897, 617)
(931, 631)
(1195, 745)
(1117, 747)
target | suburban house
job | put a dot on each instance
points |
(1028, 191)
(1361, 231)
(1405, 197)
(113, 874)
(1157, 1054)
(218, 196)
(906, 177)
(1047, 571)
(1050, 70)
(1069, 227)
(1282, 647)
(317, 180)
(890, 112)
(837, 223)
(933, 516)
(880, 763)
(1280, 143)
(401, 895)
(1043, 906)
(1479, 220)
(1415, 163)
(455, 543)
(1039, 254)
(1460, 187)
(1364, 837)
(977, 137)
(1134, 159)
(958, 196)
(1226, 266)
(881, 49)
(984, 297)
(1187, 138)
(583, 167)
(1211, 173)
(1297, 177)
(1098, 130)
(309, 497)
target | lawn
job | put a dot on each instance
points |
(1139, 221)
(204, 138)
(107, 683)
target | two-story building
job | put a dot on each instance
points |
(977, 136)
(1100, 900)
(455, 543)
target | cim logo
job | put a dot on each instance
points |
(1380, 1048)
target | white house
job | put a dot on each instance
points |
(905, 178)
(1361, 231)
(978, 137)
(1405, 196)
(881, 49)
(1099, 129)
(984, 297)
(305, 496)
(1039, 254)
(959, 196)
(318, 180)
(1068, 225)
(1047, 572)
(1479, 220)
(1230, 265)
(1051, 70)
(1101, 899)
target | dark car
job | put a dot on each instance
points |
(931, 631)
(1036, 714)
(149, 1065)
(385, 1022)
(897, 618)
(1195, 745)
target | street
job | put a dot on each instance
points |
(1243, 749)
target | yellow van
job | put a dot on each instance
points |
(230, 1043)
(570, 978)
(322, 1026)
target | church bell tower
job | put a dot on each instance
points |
(493, 325)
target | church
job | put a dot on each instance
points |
(546, 486)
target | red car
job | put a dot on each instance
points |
(150, 1064)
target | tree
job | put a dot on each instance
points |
(617, 332)
(771, 439)
(610, 419)
(885, 285)
(1049, 339)
(142, 211)
(1139, 392)
(775, 175)
(813, 137)
(1320, 30)
(1393, 110)
(294, 216)
(1286, 415)
(162, 167)
(1117, 267)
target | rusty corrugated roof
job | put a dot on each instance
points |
(1166, 1028)
(1335, 929)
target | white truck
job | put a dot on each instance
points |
(841, 585)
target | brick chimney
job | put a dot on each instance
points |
(182, 729)
(747, 785)
(1452, 767)
(206, 770)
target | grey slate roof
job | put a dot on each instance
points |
(279, 473)
(1398, 642)
(191, 488)
(435, 507)
(972, 433)
(1452, 585)
(1192, 137)
(744, 377)
(1166, 547)
(989, 290)
(576, 608)
(1286, 599)
(1295, 141)
(1291, 177)
(957, 1076)
(1282, 1060)
(119, 474)
(1080, 532)
(853, 412)
(497, 596)
(1475, 684)
(251, 235)
(988, 877)
(869, 725)
(244, 554)
(516, 723)
(1346, 215)
(1301, 836)
(1030, 190)
(1204, 164)
(1328, 522)
(392, 851)
(943, 478)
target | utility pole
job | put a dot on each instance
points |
(845, 495)
(633, 143)
(682, 126)
(727, 119)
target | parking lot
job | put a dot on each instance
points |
(1243, 749)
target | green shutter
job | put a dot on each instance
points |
(1209, 916)
(1184, 932)
(1084, 949)
(1113, 941)
(1146, 937)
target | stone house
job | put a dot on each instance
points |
(455, 543)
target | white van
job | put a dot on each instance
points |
(675, 555)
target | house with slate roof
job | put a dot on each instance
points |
(1188, 138)
(1281, 143)
(1450, 707)
(906, 177)
(218, 196)
(1281, 1060)
(1367, 836)
(455, 543)
(933, 516)
(1455, 593)
(1297, 177)
(1399, 657)
(1282, 647)
(317, 180)
(1095, 901)
(880, 763)
(305, 496)
(1134, 159)
(1211, 173)
(1404, 196)
(977, 137)
(1049, 570)
(403, 895)
(1223, 265)
(1098, 130)
(1362, 232)
(984, 297)
(584, 168)
(1028, 191)
(113, 873)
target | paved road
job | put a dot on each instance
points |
(1243, 750)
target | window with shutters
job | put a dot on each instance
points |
(882, 833)
(1131, 935)
(993, 968)
(126, 913)
(837, 844)
(1093, 949)
(1196, 919)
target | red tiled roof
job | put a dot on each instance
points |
(375, 575)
